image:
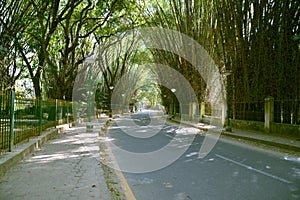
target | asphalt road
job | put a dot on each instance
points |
(230, 171)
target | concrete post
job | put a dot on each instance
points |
(269, 113)
(202, 109)
(224, 111)
(191, 111)
(194, 111)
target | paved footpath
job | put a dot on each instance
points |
(67, 167)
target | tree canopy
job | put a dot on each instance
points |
(48, 40)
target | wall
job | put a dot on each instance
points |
(248, 125)
(288, 129)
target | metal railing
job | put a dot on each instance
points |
(252, 111)
(287, 111)
(5, 121)
(284, 111)
(23, 118)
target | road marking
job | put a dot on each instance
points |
(254, 169)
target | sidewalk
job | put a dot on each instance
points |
(263, 138)
(66, 167)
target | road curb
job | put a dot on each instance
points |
(113, 175)
(19, 153)
(267, 142)
(252, 139)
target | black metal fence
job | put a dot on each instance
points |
(287, 111)
(5, 118)
(24, 118)
(252, 111)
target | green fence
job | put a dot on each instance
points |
(287, 111)
(252, 111)
(23, 118)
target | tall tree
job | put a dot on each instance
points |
(47, 16)
(74, 42)
(257, 40)
(14, 18)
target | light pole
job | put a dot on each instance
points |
(89, 94)
(122, 105)
(173, 105)
(109, 99)
(228, 73)
(89, 126)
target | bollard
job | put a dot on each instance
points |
(89, 127)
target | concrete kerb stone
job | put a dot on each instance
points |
(266, 142)
(249, 138)
(114, 178)
(19, 153)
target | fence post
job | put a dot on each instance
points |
(202, 109)
(190, 111)
(68, 114)
(194, 111)
(223, 118)
(269, 113)
(40, 114)
(1, 128)
(12, 119)
(55, 116)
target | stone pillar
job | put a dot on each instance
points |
(191, 111)
(269, 113)
(224, 112)
(202, 109)
(195, 107)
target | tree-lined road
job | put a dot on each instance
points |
(230, 171)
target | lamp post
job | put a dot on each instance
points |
(173, 105)
(89, 94)
(109, 103)
(122, 105)
(89, 126)
(228, 73)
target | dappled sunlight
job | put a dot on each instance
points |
(73, 129)
(194, 153)
(147, 127)
(76, 153)
(67, 140)
(117, 127)
(86, 149)
(206, 126)
(142, 131)
(170, 130)
(76, 140)
(106, 139)
(51, 157)
(80, 144)
(87, 138)
(187, 131)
